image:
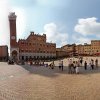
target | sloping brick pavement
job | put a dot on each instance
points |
(41, 83)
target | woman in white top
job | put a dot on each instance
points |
(89, 65)
(77, 68)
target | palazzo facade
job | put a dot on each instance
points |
(33, 47)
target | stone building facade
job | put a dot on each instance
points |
(71, 49)
(34, 47)
(92, 49)
(3, 53)
(95, 47)
(61, 53)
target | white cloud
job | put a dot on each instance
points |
(5, 8)
(53, 34)
(88, 26)
(80, 39)
(4, 25)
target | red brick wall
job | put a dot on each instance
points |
(3, 51)
(36, 44)
(12, 33)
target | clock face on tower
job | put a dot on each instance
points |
(12, 37)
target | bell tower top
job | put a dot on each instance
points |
(12, 16)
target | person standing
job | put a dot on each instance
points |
(52, 65)
(74, 66)
(92, 64)
(59, 64)
(77, 68)
(89, 65)
(96, 63)
(85, 65)
(81, 61)
(69, 66)
(62, 65)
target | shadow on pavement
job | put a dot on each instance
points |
(48, 72)
(41, 70)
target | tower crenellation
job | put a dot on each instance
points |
(12, 16)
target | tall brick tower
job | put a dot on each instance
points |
(14, 50)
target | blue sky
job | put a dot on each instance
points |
(63, 21)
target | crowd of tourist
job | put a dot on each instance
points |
(74, 66)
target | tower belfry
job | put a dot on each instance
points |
(14, 50)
